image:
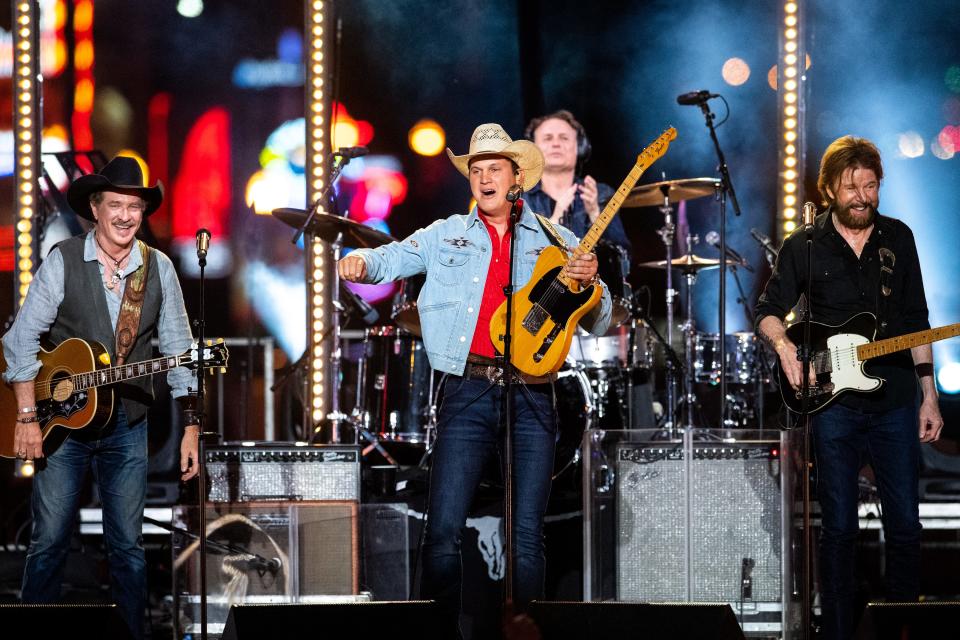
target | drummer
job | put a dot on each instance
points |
(571, 198)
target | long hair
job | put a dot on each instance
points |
(848, 152)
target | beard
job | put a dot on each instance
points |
(856, 220)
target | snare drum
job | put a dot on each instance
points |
(404, 311)
(613, 267)
(743, 365)
(394, 385)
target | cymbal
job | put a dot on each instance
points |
(689, 263)
(651, 195)
(327, 226)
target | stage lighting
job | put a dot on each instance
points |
(427, 138)
(948, 377)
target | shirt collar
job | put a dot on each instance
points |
(527, 218)
(90, 253)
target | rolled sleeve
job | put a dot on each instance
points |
(173, 327)
(21, 343)
(783, 288)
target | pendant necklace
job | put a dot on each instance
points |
(117, 271)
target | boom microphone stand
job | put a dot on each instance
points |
(516, 209)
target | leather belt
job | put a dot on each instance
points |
(494, 374)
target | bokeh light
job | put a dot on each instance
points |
(949, 377)
(952, 78)
(910, 144)
(735, 71)
(427, 137)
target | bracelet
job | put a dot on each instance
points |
(924, 369)
(29, 420)
(26, 410)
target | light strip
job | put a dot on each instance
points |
(83, 83)
(318, 266)
(27, 125)
(790, 79)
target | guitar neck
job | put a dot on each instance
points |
(592, 236)
(907, 341)
(112, 375)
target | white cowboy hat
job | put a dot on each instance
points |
(491, 140)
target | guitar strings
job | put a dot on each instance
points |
(46, 386)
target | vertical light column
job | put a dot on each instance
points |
(83, 81)
(790, 94)
(318, 262)
(27, 125)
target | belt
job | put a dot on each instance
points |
(494, 374)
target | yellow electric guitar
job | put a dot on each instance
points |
(547, 309)
(73, 388)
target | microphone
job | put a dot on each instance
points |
(713, 239)
(696, 97)
(203, 244)
(767, 245)
(809, 215)
(348, 153)
(363, 309)
(514, 193)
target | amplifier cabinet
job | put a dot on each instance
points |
(265, 471)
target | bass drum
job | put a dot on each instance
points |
(574, 416)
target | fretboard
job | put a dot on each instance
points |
(112, 375)
(907, 341)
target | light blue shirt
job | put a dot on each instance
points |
(21, 344)
(455, 254)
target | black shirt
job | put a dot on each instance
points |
(844, 285)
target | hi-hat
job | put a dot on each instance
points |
(327, 227)
(689, 263)
(652, 195)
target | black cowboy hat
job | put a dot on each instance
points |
(122, 175)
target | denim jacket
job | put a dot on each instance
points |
(455, 254)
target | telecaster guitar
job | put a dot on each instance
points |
(839, 354)
(73, 386)
(548, 307)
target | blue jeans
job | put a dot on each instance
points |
(843, 438)
(469, 433)
(117, 454)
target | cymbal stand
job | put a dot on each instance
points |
(335, 416)
(689, 342)
(667, 232)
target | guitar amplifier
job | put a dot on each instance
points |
(272, 471)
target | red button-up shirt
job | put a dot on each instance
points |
(493, 295)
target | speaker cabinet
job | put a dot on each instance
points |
(63, 621)
(908, 620)
(414, 620)
(634, 620)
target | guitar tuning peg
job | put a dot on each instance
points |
(219, 340)
(209, 343)
(223, 369)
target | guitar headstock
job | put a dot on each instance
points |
(215, 354)
(658, 147)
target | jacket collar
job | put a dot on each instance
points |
(527, 218)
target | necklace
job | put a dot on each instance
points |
(117, 271)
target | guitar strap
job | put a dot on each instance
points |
(552, 233)
(128, 321)
(887, 260)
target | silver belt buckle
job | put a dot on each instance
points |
(495, 375)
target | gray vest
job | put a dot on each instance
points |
(84, 314)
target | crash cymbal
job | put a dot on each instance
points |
(651, 195)
(689, 263)
(326, 226)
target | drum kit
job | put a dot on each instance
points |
(397, 392)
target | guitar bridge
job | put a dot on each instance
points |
(535, 318)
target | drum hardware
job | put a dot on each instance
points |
(660, 194)
(404, 312)
(331, 228)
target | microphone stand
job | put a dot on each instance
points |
(804, 355)
(335, 170)
(516, 209)
(200, 324)
(726, 187)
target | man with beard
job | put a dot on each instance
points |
(853, 249)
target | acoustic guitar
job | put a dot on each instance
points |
(839, 354)
(73, 387)
(546, 310)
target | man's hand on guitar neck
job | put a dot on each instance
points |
(581, 267)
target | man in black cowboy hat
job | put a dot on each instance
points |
(103, 286)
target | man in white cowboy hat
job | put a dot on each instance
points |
(466, 259)
(78, 292)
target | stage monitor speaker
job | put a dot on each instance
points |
(63, 621)
(413, 620)
(635, 621)
(909, 621)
